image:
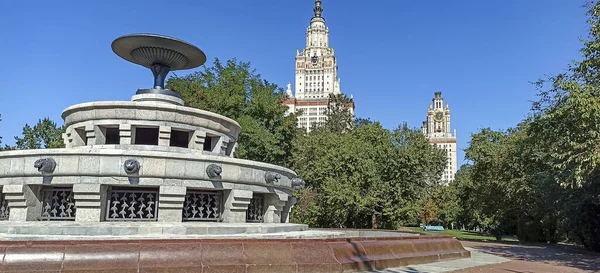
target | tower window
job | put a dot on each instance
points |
(146, 136)
(112, 136)
(210, 142)
(179, 138)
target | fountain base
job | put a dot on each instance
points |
(356, 250)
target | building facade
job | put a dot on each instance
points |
(316, 75)
(438, 132)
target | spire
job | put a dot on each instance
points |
(318, 9)
(289, 90)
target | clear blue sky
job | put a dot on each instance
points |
(392, 54)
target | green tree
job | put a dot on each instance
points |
(566, 122)
(428, 212)
(236, 91)
(339, 115)
(44, 134)
(447, 204)
(469, 214)
(368, 177)
(541, 179)
(497, 178)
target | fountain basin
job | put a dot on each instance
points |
(375, 250)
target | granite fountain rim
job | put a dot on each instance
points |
(155, 152)
(143, 105)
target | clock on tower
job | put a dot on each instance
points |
(439, 116)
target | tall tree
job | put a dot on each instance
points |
(567, 121)
(339, 115)
(497, 178)
(541, 180)
(447, 204)
(428, 212)
(235, 90)
(44, 134)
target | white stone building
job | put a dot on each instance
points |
(437, 130)
(316, 75)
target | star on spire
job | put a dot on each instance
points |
(318, 9)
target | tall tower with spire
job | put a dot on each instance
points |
(437, 130)
(316, 75)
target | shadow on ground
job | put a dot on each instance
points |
(564, 255)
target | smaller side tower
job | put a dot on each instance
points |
(438, 132)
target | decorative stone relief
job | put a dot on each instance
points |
(298, 183)
(131, 166)
(214, 171)
(271, 177)
(45, 165)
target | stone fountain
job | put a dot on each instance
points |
(150, 184)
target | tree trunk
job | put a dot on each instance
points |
(374, 224)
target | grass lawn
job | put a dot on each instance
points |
(464, 234)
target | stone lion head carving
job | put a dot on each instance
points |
(271, 177)
(45, 165)
(214, 171)
(131, 166)
(298, 183)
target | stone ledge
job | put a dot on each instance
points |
(159, 162)
(149, 111)
(45, 228)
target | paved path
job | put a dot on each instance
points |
(491, 257)
(477, 259)
(538, 258)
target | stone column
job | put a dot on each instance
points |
(164, 136)
(170, 203)
(224, 144)
(89, 200)
(197, 140)
(274, 203)
(67, 139)
(236, 205)
(90, 134)
(287, 209)
(100, 133)
(23, 203)
(125, 134)
(233, 150)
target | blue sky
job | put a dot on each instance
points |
(392, 54)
